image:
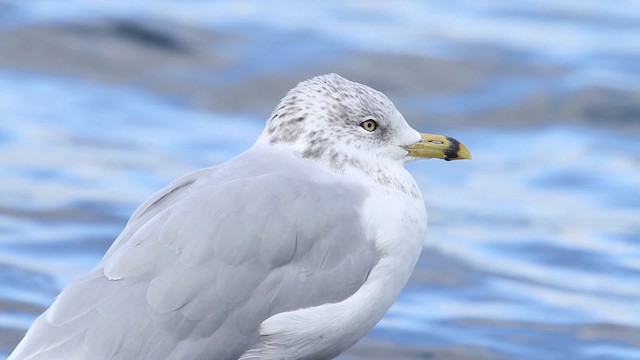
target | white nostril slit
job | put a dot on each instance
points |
(436, 142)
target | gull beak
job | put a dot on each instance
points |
(438, 146)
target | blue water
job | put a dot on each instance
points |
(533, 249)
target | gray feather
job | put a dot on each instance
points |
(201, 265)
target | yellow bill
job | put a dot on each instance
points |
(440, 147)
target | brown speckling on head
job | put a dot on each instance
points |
(320, 119)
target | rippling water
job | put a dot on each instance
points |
(533, 248)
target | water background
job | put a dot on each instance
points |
(533, 249)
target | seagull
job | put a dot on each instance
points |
(294, 249)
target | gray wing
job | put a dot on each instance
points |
(204, 262)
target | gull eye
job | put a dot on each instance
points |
(369, 125)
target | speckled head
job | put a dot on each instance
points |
(329, 118)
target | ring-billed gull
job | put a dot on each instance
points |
(292, 250)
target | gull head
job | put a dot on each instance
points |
(347, 124)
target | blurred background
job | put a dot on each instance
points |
(533, 249)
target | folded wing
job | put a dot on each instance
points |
(205, 261)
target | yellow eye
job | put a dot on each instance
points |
(369, 125)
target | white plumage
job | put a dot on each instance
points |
(292, 250)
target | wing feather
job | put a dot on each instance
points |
(204, 262)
